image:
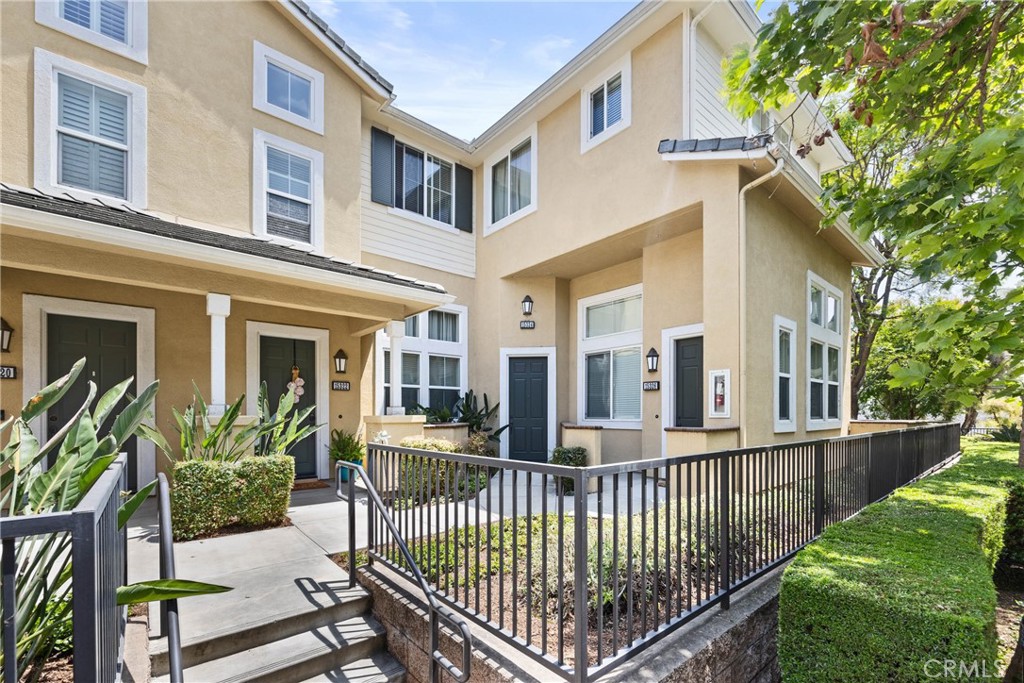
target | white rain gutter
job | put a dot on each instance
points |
(689, 70)
(780, 164)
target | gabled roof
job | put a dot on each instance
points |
(122, 217)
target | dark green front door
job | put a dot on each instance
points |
(277, 356)
(109, 349)
(528, 408)
(689, 382)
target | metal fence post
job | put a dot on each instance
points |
(371, 458)
(83, 598)
(819, 487)
(10, 569)
(352, 474)
(871, 470)
(580, 574)
(724, 551)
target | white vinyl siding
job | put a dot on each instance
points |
(611, 358)
(119, 26)
(711, 116)
(399, 235)
(824, 354)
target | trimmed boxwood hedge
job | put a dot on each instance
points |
(209, 495)
(907, 581)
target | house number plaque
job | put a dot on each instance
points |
(341, 386)
(652, 386)
(8, 372)
(527, 324)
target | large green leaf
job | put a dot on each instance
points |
(126, 511)
(128, 421)
(109, 400)
(46, 486)
(93, 470)
(51, 393)
(165, 589)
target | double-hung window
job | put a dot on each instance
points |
(824, 354)
(419, 185)
(287, 88)
(510, 183)
(434, 357)
(288, 191)
(611, 359)
(90, 131)
(605, 105)
(784, 346)
(115, 25)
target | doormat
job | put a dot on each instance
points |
(308, 484)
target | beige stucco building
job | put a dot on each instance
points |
(248, 224)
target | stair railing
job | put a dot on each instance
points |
(436, 610)
(168, 608)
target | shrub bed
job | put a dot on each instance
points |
(907, 581)
(209, 495)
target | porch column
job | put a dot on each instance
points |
(218, 307)
(396, 331)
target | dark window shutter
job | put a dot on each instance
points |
(463, 198)
(382, 169)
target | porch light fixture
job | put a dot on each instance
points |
(340, 362)
(6, 332)
(652, 360)
(527, 305)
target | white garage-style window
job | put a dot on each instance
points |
(610, 358)
(784, 355)
(119, 26)
(434, 357)
(824, 354)
(510, 183)
(90, 132)
(288, 191)
(606, 105)
(287, 88)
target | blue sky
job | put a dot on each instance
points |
(461, 65)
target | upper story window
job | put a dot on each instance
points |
(510, 183)
(824, 354)
(90, 133)
(288, 190)
(605, 105)
(119, 26)
(420, 185)
(287, 88)
(611, 359)
(443, 326)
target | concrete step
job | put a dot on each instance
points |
(267, 604)
(297, 657)
(381, 668)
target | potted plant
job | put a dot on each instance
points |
(346, 447)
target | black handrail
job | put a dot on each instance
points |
(436, 610)
(168, 608)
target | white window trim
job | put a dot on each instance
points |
(490, 227)
(47, 66)
(261, 55)
(712, 414)
(260, 141)
(504, 354)
(668, 389)
(784, 426)
(321, 338)
(426, 347)
(822, 335)
(423, 219)
(35, 310)
(624, 67)
(136, 29)
(608, 342)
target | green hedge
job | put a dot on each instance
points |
(907, 581)
(209, 495)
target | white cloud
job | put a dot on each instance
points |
(395, 17)
(549, 53)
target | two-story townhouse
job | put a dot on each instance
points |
(181, 201)
(682, 296)
(618, 255)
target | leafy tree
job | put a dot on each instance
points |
(946, 75)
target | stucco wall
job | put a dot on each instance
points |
(199, 85)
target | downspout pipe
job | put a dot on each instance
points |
(780, 164)
(690, 66)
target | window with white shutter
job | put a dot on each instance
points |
(288, 190)
(90, 130)
(116, 25)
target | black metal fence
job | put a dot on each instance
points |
(98, 564)
(580, 583)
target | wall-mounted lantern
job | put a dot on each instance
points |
(340, 362)
(6, 333)
(652, 360)
(527, 305)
